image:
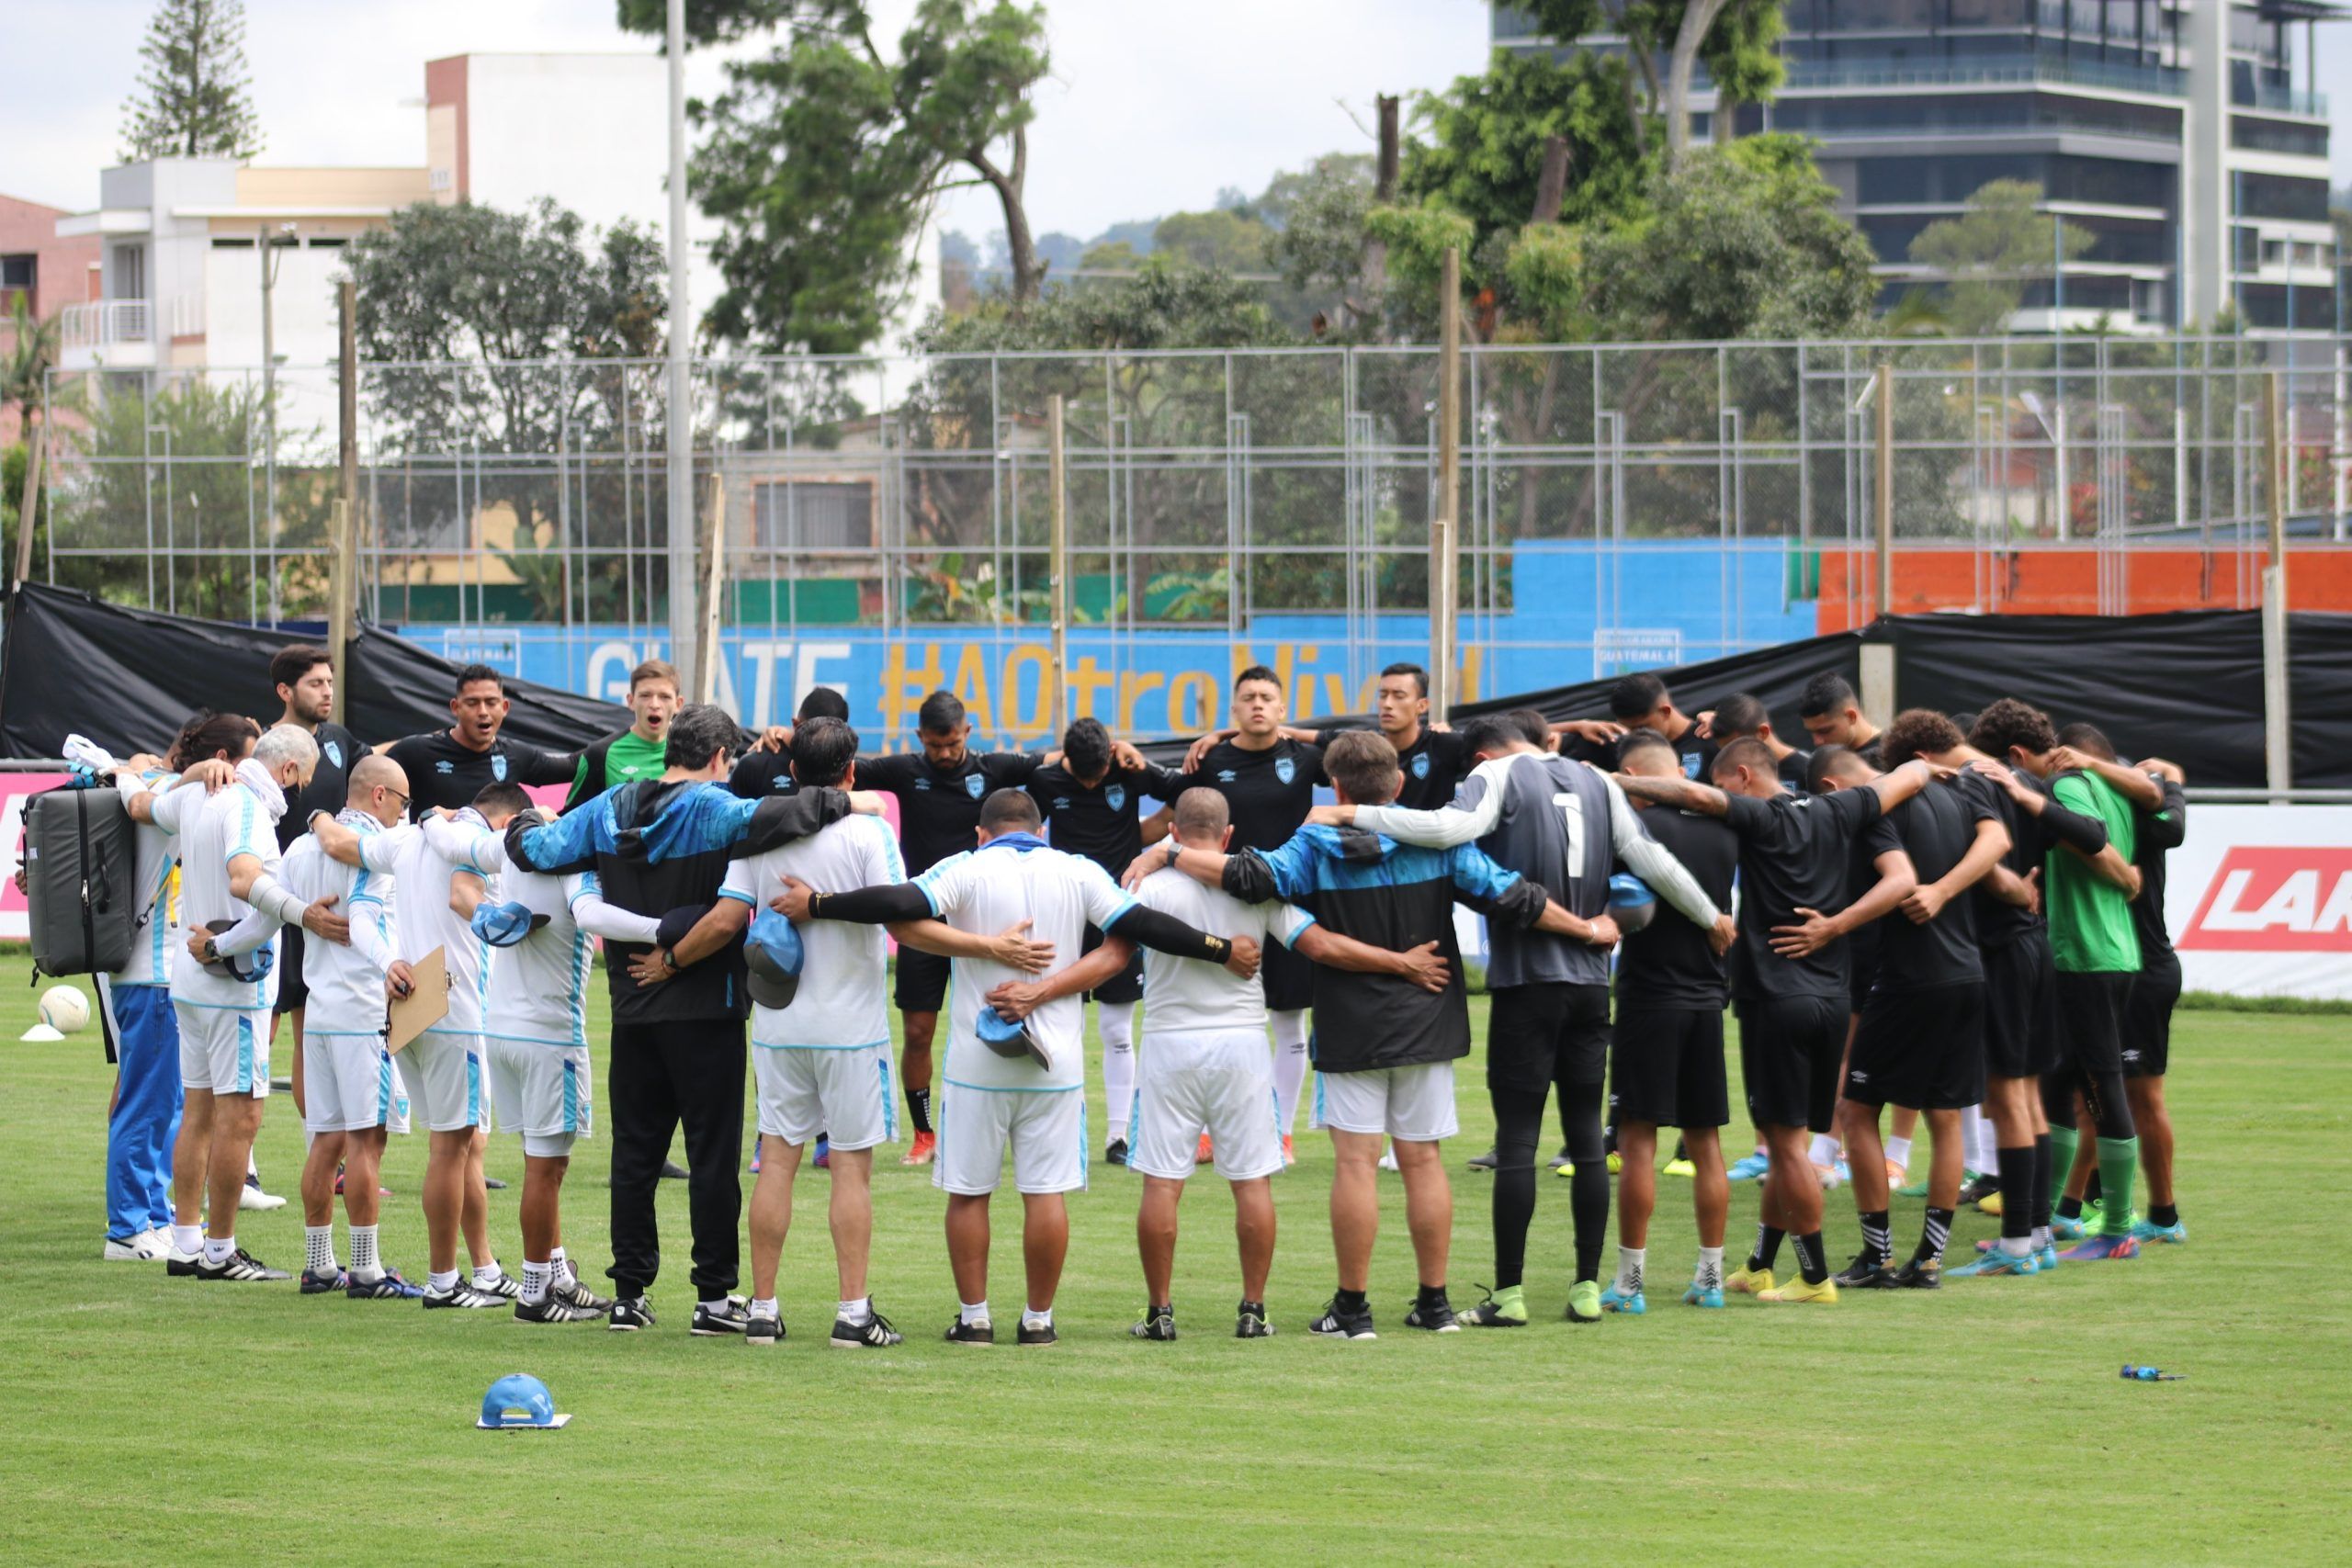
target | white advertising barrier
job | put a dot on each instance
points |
(14, 790)
(2259, 900)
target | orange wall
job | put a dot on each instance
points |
(2061, 581)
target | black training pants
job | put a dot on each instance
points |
(661, 1074)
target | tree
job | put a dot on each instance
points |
(824, 156)
(193, 100)
(1991, 250)
(32, 350)
(1218, 238)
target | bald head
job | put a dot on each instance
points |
(1203, 820)
(379, 787)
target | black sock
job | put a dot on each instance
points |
(1519, 1131)
(2069, 1208)
(919, 1107)
(1681, 1148)
(1588, 1184)
(1768, 1249)
(2163, 1215)
(1430, 1296)
(1876, 1235)
(2042, 1186)
(2094, 1189)
(1811, 1262)
(1935, 1237)
(1348, 1300)
(2017, 1181)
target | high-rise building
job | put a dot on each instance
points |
(2188, 137)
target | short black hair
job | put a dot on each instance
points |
(470, 673)
(701, 731)
(823, 750)
(1532, 725)
(822, 702)
(1828, 761)
(1256, 673)
(1086, 747)
(1637, 696)
(2010, 723)
(1637, 741)
(1745, 752)
(1010, 810)
(2088, 738)
(289, 665)
(1490, 732)
(1742, 713)
(1407, 667)
(941, 714)
(1827, 692)
(508, 797)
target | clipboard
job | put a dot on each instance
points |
(426, 1004)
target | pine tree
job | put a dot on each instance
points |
(192, 100)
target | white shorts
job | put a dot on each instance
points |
(547, 1092)
(844, 1094)
(1046, 1130)
(1218, 1081)
(444, 1074)
(1414, 1104)
(225, 1050)
(348, 1083)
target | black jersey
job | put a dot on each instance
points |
(1269, 793)
(1936, 827)
(2161, 831)
(761, 774)
(1864, 943)
(939, 808)
(1695, 751)
(1104, 821)
(1667, 963)
(1792, 854)
(1434, 766)
(441, 772)
(2033, 837)
(329, 787)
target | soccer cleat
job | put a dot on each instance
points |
(670, 1171)
(1991, 1203)
(1897, 1173)
(1629, 1302)
(921, 1149)
(761, 1330)
(755, 1162)
(1920, 1274)
(566, 1287)
(2064, 1229)
(386, 1287)
(462, 1295)
(1486, 1161)
(1116, 1152)
(1249, 1322)
(1158, 1322)
(1343, 1323)
(318, 1282)
(1681, 1167)
(1803, 1291)
(144, 1247)
(1492, 1313)
(1388, 1159)
(493, 1184)
(1436, 1318)
(2046, 1260)
(1996, 1264)
(1832, 1177)
(1699, 1294)
(629, 1314)
(1560, 1163)
(241, 1266)
(1750, 1167)
(2102, 1246)
(1201, 1155)
(1584, 1302)
(727, 1317)
(182, 1264)
(252, 1196)
(874, 1334)
(824, 1156)
(1976, 1185)
(1912, 1189)
(505, 1287)
(1746, 1281)
(962, 1333)
(550, 1310)
(1289, 1157)
(2146, 1231)
(1867, 1271)
(1036, 1333)
(1616, 1162)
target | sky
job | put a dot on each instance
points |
(1152, 108)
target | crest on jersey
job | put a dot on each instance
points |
(973, 785)
(1421, 767)
(1689, 764)
(498, 766)
(334, 749)
(1116, 797)
(1285, 769)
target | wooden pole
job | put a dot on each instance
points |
(1058, 477)
(1886, 490)
(1443, 524)
(28, 508)
(342, 587)
(2277, 742)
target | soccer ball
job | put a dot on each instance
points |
(65, 1010)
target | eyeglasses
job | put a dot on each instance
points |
(395, 794)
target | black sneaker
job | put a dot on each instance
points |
(240, 1266)
(505, 1287)
(317, 1282)
(182, 1264)
(728, 1317)
(1486, 1161)
(1436, 1318)
(1117, 1153)
(760, 1330)
(1560, 1161)
(492, 1184)
(672, 1171)
(1867, 1271)
(1158, 1322)
(566, 1287)
(462, 1295)
(1978, 1189)
(874, 1334)
(1249, 1322)
(1042, 1335)
(550, 1310)
(962, 1333)
(629, 1314)
(1921, 1274)
(1343, 1323)
(386, 1287)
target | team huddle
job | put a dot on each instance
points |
(1959, 919)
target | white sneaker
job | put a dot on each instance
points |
(250, 1197)
(144, 1247)
(1388, 1159)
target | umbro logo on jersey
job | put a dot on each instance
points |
(445, 766)
(1225, 775)
(2287, 899)
(923, 783)
(1855, 1075)
(1061, 802)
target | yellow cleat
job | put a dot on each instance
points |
(1797, 1290)
(1989, 1204)
(1681, 1167)
(1749, 1282)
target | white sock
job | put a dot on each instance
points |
(318, 1245)
(1290, 1066)
(219, 1249)
(253, 1171)
(857, 1311)
(1984, 1144)
(1899, 1151)
(969, 1312)
(188, 1238)
(1629, 1270)
(2041, 1237)
(2017, 1246)
(488, 1273)
(536, 1277)
(364, 1267)
(1032, 1317)
(1710, 1265)
(441, 1283)
(1118, 1022)
(719, 1305)
(765, 1306)
(1824, 1150)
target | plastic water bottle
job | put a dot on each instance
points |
(2149, 1374)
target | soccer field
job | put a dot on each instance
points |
(161, 1420)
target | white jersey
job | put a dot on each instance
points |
(346, 982)
(538, 988)
(1181, 994)
(843, 1002)
(213, 829)
(156, 933)
(1005, 881)
(423, 921)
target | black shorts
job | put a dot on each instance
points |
(2148, 1020)
(922, 981)
(1666, 1067)
(2090, 1019)
(1125, 987)
(1544, 1033)
(1788, 1051)
(1923, 1048)
(1289, 978)
(291, 992)
(2022, 1039)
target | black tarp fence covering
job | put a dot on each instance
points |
(2186, 686)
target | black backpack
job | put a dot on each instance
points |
(81, 874)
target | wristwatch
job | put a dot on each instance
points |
(669, 960)
(1174, 849)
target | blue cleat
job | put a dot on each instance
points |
(2048, 1257)
(1995, 1264)
(2174, 1234)
(1629, 1303)
(387, 1287)
(1750, 1169)
(2102, 1246)
(1699, 1295)
(2065, 1229)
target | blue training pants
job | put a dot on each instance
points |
(146, 1119)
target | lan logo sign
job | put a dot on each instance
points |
(2276, 900)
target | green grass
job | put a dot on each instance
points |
(157, 1420)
